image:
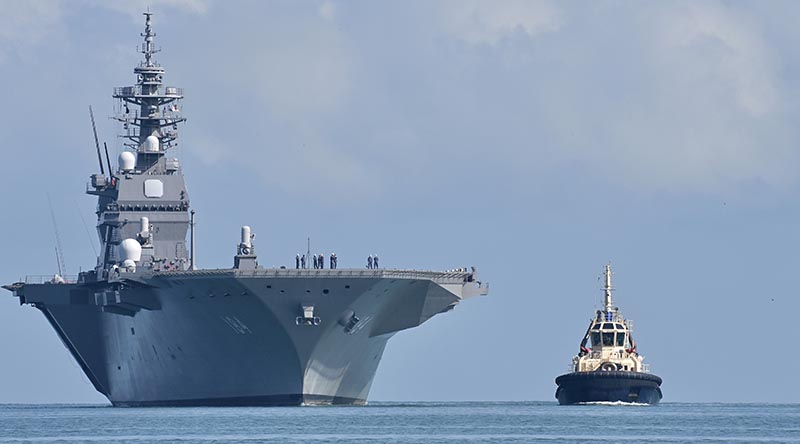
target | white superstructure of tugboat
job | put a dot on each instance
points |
(611, 370)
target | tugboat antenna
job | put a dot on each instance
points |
(608, 288)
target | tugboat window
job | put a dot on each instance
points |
(595, 339)
(620, 339)
(608, 326)
(608, 339)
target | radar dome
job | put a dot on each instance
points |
(129, 266)
(127, 161)
(150, 144)
(130, 250)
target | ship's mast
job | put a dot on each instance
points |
(147, 187)
(608, 305)
(153, 117)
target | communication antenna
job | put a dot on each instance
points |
(97, 143)
(86, 228)
(62, 267)
(108, 159)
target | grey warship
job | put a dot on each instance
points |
(150, 329)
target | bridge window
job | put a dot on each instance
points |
(620, 339)
(608, 339)
(595, 339)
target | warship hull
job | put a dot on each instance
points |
(233, 337)
(608, 386)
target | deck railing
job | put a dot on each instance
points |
(50, 279)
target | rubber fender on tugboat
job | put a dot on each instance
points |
(608, 367)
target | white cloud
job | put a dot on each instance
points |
(305, 70)
(327, 10)
(24, 23)
(726, 45)
(709, 116)
(135, 8)
(489, 21)
(295, 69)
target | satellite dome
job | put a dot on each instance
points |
(129, 265)
(130, 249)
(150, 144)
(127, 161)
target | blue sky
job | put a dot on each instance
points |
(536, 140)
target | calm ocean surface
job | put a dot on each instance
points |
(473, 422)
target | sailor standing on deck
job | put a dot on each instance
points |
(333, 261)
(297, 261)
(303, 261)
(316, 262)
(369, 261)
(375, 260)
(321, 260)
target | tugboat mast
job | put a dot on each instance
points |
(608, 289)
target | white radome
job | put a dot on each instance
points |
(127, 161)
(150, 144)
(130, 250)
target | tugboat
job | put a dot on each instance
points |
(612, 370)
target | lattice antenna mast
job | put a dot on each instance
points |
(152, 128)
(147, 47)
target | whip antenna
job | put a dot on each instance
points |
(62, 267)
(97, 142)
(108, 159)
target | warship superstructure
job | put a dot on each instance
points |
(611, 370)
(149, 328)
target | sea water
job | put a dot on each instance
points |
(415, 422)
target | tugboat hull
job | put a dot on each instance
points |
(608, 386)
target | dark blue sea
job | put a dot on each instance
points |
(424, 422)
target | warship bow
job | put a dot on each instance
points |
(149, 328)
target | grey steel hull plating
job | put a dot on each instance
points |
(225, 337)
